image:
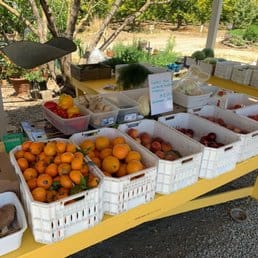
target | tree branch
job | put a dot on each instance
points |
(18, 14)
(50, 18)
(72, 18)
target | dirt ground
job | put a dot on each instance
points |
(189, 39)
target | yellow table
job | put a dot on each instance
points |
(97, 86)
(162, 206)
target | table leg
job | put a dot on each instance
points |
(255, 189)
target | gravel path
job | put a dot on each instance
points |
(208, 232)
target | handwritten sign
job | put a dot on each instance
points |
(160, 88)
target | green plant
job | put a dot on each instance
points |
(13, 71)
(132, 76)
(251, 33)
(237, 41)
(198, 55)
(34, 76)
(208, 52)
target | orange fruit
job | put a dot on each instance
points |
(32, 183)
(19, 154)
(70, 147)
(87, 145)
(57, 159)
(44, 180)
(67, 157)
(23, 163)
(41, 156)
(36, 148)
(51, 170)
(40, 166)
(60, 146)
(102, 142)
(133, 155)
(96, 161)
(79, 154)
(122, 170)
(65, 181)
(91, 154)
(64, 169)
(62, 193)
(48, 159)
(118, 140)
(30, 173)
(76, 176)
(120, 150)
(39, 194)
(104, 153)
(51, 195)
(29, 156)
(56, 178)
(76, 163)
(106, 173)
(50, 149)
(110, 164)
(26, 145)
(85, 169)
(134, 166)
(93, 182)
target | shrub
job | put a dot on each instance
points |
(251, 33)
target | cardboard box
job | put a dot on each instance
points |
(8, 178)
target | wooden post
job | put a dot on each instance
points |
(3, 116)
(214, 23)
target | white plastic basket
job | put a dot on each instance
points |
(70, 125)
(177, 174)
(215, 161)
(224, 69)
(13, 241)
(249, 141)
(52, 222)
(248, 111)
(124, 193)
(243, 100)
(241, 74)
(207, 68)
(193, 101)
(254, 78)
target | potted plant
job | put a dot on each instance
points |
(36, 78)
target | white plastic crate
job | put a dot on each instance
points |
(224, 69)
(136, 94)
(241, 74)
(177, 174)
(193, 101)
(191, 61)
(248, 111)
(240, 99)
(254, 78)
(124, 193)
(13, 241)
(128, 109)
(55, 221)
(70, 125)
(215, 161)
(249, 141)
(207, 68)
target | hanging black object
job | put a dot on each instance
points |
(28, 54)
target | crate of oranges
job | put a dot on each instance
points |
(61, 192)
(129, 171)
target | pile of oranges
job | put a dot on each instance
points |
(113, 156)
(54, 169)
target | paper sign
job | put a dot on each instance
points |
(160, 88)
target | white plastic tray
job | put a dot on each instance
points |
(215, 161)
(177, 174)
(249, 141)
(13, 241)
(124, 193)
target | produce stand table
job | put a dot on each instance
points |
(162, 206)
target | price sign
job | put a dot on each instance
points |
(160, 88)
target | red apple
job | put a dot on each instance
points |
(145, 138)
(133, 132)
(166, 146)
(155, 146)
(160, 154)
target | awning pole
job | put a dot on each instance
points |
(214, 23)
